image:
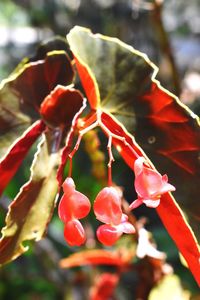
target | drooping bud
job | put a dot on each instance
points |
(72, 207)
(107, 208)
(74, 233)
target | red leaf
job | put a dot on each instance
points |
(104, 286)
(89, 83)
(168, 210)
(13, 159)
(177, 227)
(168, 120)
(36, 79)
(124, 86)
(95, 257)
(60, 106)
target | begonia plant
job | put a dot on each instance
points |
(150, 128)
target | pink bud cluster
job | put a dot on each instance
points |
(73, 206)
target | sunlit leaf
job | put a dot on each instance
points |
(168, 210)
(10, 163)
(124, 87)
(31, 210)
(22, 93)
(96, 257)
(37, 79)
(60, 106)
(13, 122)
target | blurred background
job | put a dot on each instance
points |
(169, 33)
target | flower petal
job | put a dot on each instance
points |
(107, 206)
(65, 212)
(139, 165)
(80, 205)
(68, 186)
(148, 182)
(135, 203)
(74, 233)
(108, 234)
(167, 187)
(146, 247)
(152, 203)
(126, 227)
(73, 204)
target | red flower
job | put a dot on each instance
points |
(72, 207)
(149, 185)
(104, 286)
(74, 233)
(107, 208)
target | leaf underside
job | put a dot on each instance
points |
(31, 210)
(22, 93)
(16, 154)
(37, 79)
(21, 96)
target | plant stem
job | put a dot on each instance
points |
(164, 44)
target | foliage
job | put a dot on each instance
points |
(136, 114)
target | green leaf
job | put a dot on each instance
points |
(31, 210)
(120, 73)
(13, 122)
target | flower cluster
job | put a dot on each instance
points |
(149, 185)
(107, 208)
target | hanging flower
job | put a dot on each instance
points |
(149, 185)
(72, 207)
(107, 208)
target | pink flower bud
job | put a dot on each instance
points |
(107, 208)
(74, 233)
(72, 207)
(149, 185)
(73, 204)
